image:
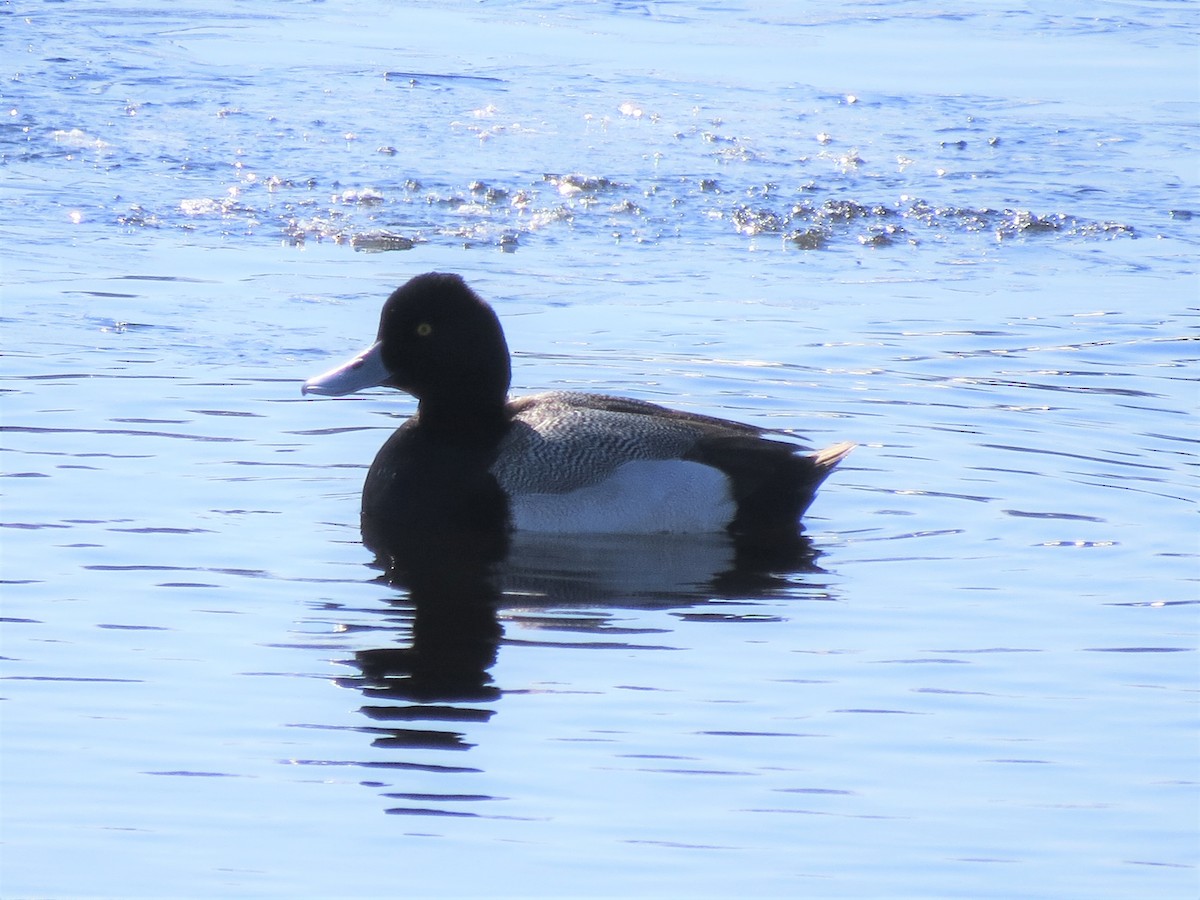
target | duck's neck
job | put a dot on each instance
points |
(462, 419)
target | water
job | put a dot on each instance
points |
(964, 239)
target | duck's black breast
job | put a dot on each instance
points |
(423, 484)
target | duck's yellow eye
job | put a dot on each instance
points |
(424, 329)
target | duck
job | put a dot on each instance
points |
(562, 461)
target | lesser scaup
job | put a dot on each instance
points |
(561, 461)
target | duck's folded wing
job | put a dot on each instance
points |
(555, 445)
(561, 441)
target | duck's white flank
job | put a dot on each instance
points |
(640, 497)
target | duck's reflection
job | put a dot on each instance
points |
(456, 585)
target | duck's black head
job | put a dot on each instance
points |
(439, 339)
(439, 342)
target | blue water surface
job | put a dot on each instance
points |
(963, 237)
